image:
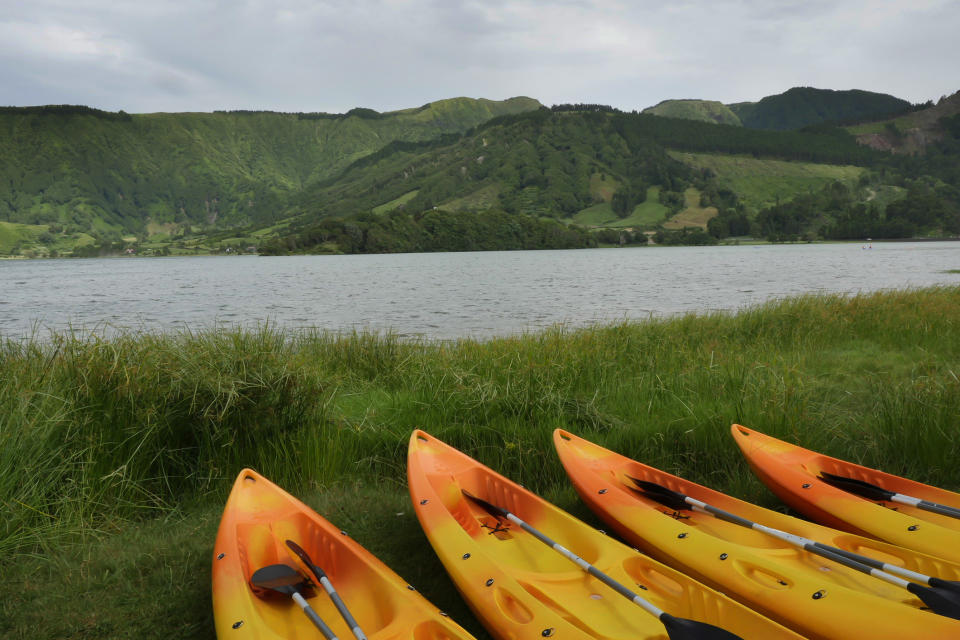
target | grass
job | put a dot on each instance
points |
(484, 198)
(116, 454)
(692, 215)
(386, 207)
(646, 214)
(762, 182)
(603, 186)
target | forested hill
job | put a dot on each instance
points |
(803, 106)
(543, 164)
(455, 174)
(86, 170)
(794, 109)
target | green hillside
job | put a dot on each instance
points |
(804, 106)
(703, 110)
(86, 182)
(761, 182)
(793, 109)
(108, 173)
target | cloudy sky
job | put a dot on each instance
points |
(332, 55)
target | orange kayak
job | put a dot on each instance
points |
(519, 588)
(764, 572)
(793, 473)
(259, 517)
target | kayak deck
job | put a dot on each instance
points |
(760, 570)
(792, 473)
(258, 519)
(520, 588)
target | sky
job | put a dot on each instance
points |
(332, 55)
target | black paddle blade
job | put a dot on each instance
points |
(492, 509)
(300, 553)
(684, 629)
(281, 578)
(661, 494)
(942, 601)
(858, 487)
(949, 585)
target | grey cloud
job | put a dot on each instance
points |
(331, 55)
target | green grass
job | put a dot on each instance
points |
(483, 198)
(12, 234)
(396, 202)
(703, 110)
(646, 214)
(692, 215)
(761, 182)
(603, 186)
(116, 454)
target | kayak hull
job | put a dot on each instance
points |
(761, 571)
(520, 588)
(791, 472)
(258, 519)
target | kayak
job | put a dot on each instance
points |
(258, 519)
(519, 587)
(794, 475)
(764, 572)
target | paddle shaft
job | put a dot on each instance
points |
(314, 618)
(872, 491)
(322, 578)
(831, 553)
(926, 505)
(586, 566)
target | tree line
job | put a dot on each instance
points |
(434, 230)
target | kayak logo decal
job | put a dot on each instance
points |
(499, 529)
(676, 515)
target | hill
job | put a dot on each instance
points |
(455, 174)
(909, 133)
(804, 106)
(109, 174)
(703, 110)
(597, 168)
(793, 109)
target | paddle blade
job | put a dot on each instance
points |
(942, 601)
(949, 585)
(281, 578)
(858, 487)
(684, 629)
(661, 494)
(300, 553)
(492, 509)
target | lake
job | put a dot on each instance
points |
(446, 295)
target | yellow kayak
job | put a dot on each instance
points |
(762, 571)
(519, 588)
(796, 475)
(258, 520)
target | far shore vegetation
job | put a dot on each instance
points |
(467, 174)
(117, 453)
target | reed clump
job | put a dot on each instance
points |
(99, 432)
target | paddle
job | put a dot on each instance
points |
(285, 579)
(322, 578)
(941, 596)
(677, 628)
(874, 492)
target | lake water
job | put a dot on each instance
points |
(446, 295)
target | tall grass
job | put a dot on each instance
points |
(96, 432)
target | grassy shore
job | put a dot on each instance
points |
(116, 454)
